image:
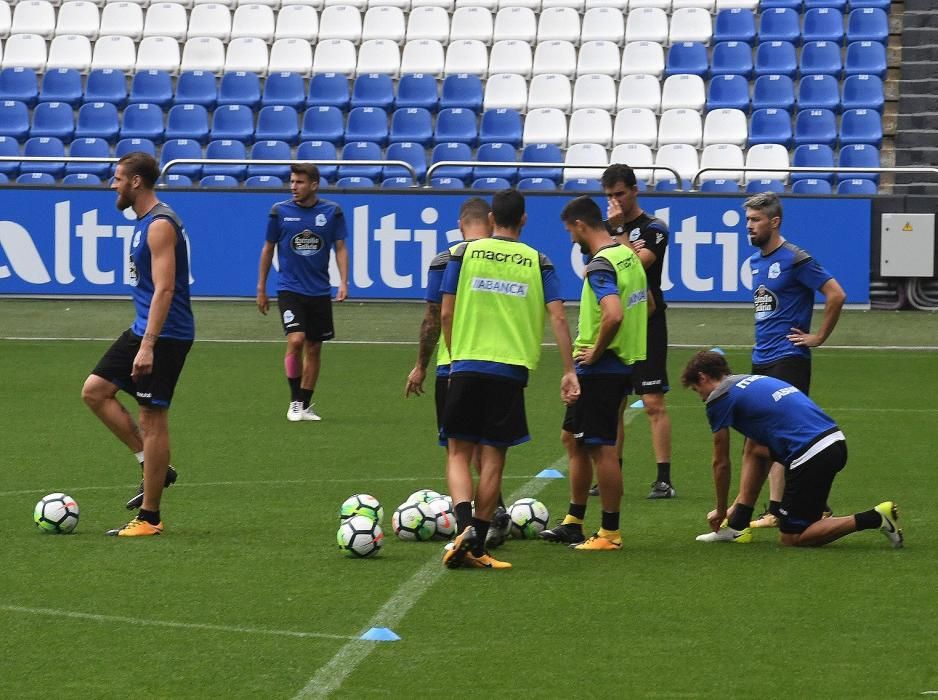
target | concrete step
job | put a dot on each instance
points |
(917, 139)
(914, 103)
(917, 52)
(918, 121)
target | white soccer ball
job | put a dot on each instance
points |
(442, 513)
(413, 522)
(529, 517)
(360, 536)
(361, 504)
(56, 513)
(423, 496)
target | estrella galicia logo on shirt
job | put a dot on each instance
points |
(506, 287)
(306, 243)
(774, 270)
(132, 275)
(765, 302)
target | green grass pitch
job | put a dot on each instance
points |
(246, 595)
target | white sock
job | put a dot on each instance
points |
(139, 456)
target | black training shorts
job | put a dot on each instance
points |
(311, 316)
(650, 376)
(594, 418)
(485, 409)
(154, 390)
(439, 395)
(794, 369)
(807, 488)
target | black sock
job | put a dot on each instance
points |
(868, 520)
(482, 529)
(775, 508)
(295, 390)
(664, 472)
(741, 517)
(149, 516)
(577, 511)
(501, 501)
(610, 521)
(463, 513)
(307, 397)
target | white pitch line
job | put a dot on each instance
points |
(49, 612)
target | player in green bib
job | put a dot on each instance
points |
(612, 338)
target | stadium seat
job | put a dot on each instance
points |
(98, 120)
(225, 149)
(683, 92)
(504, 126)
(78, 18)
(397, 183)
(736, 24)
(688, 57)
(811, 186)
(452, 151)
(640, 90)
(177, 180)
(594, 92)
(491, 184)
(34, 17)
(585, 154)
(384, 22)
(9, 147)
(319, 150)
(545, 125)
(428, 24)
(558, 24)
(549, 90)
(297, 22)
(773, 92)
(456, 125)
(367, 124)
(235, 122)
(412, 124)
(776, 57)
(462, 90)
(541, 153)
(247, 54)
(117, 52)
(25, 51)
(340, 22)
(48, 147)
(839, 5)
(264, 181)
(647, 24)
(603, 24)
(270, 150)
(556, 57)
(861, 57)
(813, 155)
(728, 92)
(106, 85)
(6, 19)
(821, 57)
(373, 90)
(880, 4)
(765, 185)
(867, 24)
(335, 56)
(638, 156)
(203, 54)
(253, 20)
(519, 23)
(210, 20)
(90, 148)
(496, 152)
(719, 185)
(323, 124)
(726, 126)
(158, 53)
(863, 92)
(680, 126)
(505, 91)
(816, 126)
(417, 90)
(732, 58)
(239, 88)
(291, 55)
(780, 24)
(196, 88)
(81, 180)
(590, 126)
(854, 186)
(379, 56)
(536, 184)
(70, 51)
(576, 5)
(635, 125)
(151, 87)
(583, 184)
(14, 119)
(122, 19)
(861, 126)
(20, 85)
(692, 24)
(35, 179)
(219, 181)
(770, 126)
(277, 123)
(708, 5)
(859, 155)
(329, 90)
(413, 153)
(187, 121)
(819, 92)
(53, 119)
(722, 155)
(823, 24)
(361, 150)
(61, 85)
(466, 56)
(182, 148)
(167, 19)
(471, 23)
(125, 146)
(601, 57)
(446, 183)
(285, 90)
(769, 155)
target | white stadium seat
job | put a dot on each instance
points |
(297, 22)
(636, 156)
(603, 24)
(599, 57)
(253, 21)
(340, 22)
(317, 4)
(335, 56)
(403, 5)
(428, 23)
(691, 24)
(490, 5)
(519, 23)
(643, 57)
(6, 19)
(680, 156)
(659, 4)
(291, 55)
(585, 154)
(359, 5)
(639, 90)
(384, 22)
(26, 51)
(534, 5)
(680, 126)
(683, 91)
(620, 5)
(122, 19)
(722, 155)
(472, 24)
(79, 17)
(647, 24)
(423, 56)
(725, 126)
(379, 56)
(505, 91)
(158, 53)
(117, 52)
(590, 126)
(210, 20)
(202, 53)
(559, 24)
(555, 57)
(594, 91)
(448, 5)
(706, 5)
(466, 56)
(70, 51)
(575, 5)
(165, 19)
(511, 57)
(550, 90)
(636, 125)
(767, 155)
(248, 54)
(545, 125)
(34, 17)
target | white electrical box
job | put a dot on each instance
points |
(908, 245)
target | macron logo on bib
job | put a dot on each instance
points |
(507, 287)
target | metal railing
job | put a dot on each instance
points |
(247, 161)
(821, 170)
(525, 164)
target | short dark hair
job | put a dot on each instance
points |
(508, 208)
(618, 172)
(308, 169)
(708, 363)
(143, 165)
(584, 209)
(767, 202)
(474, 209)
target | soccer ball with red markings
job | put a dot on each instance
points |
(360, 536)
(442, 512)
(56, 513)
(414, 522)
(529, 517)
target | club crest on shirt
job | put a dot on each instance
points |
(306, 243)
(320, 219)
(634, 235)
(135, 243)
(774, 270)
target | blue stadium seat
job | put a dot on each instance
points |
(836, 4)
(35, 179)
(865, 57)
(328, 90)
(187, 121)
(3, 179)
(286, 89)
(766, 185)
(780, 24)
(270, 150)
(323, 124)
(319, 150)
(182, 148)
(413, 153)
(816, 126)
(81, 180)
(447, 183)
(224, 149)
(196, 87)
(452, 151)
(373, 90)
(177, 180)
(361, 150)
(61, 85)
(819, 92)
(537, 184)
(90, 148)
(417, 90)
(811, 186)
(412, 124)
(264, 181)
(863, 92)
(48, 147)
(277, 123)
(859, 155)
(495, 152)
(9, 146)
(868, 24)
(810, 156)
(462, 90)
(719, 186)
(688, 57)
(53, 119)
(491, 184)
(728, 92)
(456, 125)
(501, 126)
(821, 57)
(541, 153)
(142, 121)
(881, 4)
(106, 85)
(732, 58)
(240, 88)
(354, 182)
(367, 124)
(233, 122)
(861, 126)
(854, 186)
(583, 184)
(773, 92)
(98, 120)
(396, 183)
(770, 126)
(823, 24)
(736, 24)
(793, 4)
(776, 57)
(14, 119)
(219, 181)
(153, 87)
(20, 84)
(125, 146)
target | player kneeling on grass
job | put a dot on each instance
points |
(799, 435)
